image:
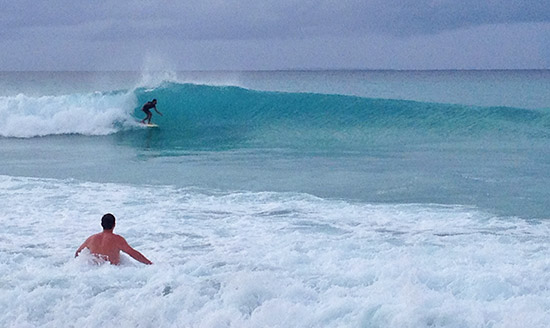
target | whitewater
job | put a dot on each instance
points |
(277, 199)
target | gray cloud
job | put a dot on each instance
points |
(249, 19)
(259, 34)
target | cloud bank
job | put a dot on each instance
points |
(249, 19)
(260, 34)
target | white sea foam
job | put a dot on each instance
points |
(264, 260)
(88, 114)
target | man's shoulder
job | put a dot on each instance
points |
(119, 238)
(94, 236)
(103, 235)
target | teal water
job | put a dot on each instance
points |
(338, 146)
(242, 118)
(277, 199)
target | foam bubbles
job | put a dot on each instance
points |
(88, 114)
(242, 259)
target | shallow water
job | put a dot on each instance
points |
(277, 199)
(265, 259)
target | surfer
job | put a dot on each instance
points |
(146, 109)
(107, 245)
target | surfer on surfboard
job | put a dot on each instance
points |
(146, 109)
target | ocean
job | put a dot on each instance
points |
(277, 198)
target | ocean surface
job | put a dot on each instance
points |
(278, 199)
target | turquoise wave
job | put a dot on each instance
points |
(213, 116)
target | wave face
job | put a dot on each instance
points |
(232, 116)
(213, 116)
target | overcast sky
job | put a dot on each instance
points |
(281, 34)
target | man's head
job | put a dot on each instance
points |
(108, 221)
(154, 101)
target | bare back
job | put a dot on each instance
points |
(108, 245)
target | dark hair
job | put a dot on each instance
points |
(108, 221)
(154, 100)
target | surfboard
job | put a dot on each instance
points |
(151, 125)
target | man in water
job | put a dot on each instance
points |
(146, 108)
(107, 245)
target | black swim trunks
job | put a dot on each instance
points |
(146, 108)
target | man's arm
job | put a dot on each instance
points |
(156, 110)
(84, 244)
(132, 252)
